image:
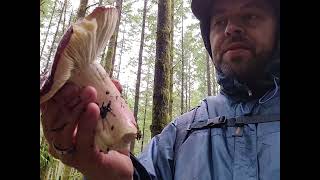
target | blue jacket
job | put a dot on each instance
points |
(231, 153)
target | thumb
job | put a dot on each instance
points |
(87, 127)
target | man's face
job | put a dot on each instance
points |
(242, 37)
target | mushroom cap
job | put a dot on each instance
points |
(81, 44)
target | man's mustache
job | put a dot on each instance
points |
(239, 40)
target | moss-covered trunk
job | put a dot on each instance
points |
(171, 61)
(160, 114)
(82, 9)
(182, 65)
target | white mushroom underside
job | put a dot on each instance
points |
(117, 129)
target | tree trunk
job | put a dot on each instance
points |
(82, 9)
(100, 3)
(55, 34)
(64, 16)
(189, 85)
(186, 86)
(171, 61)
(145, 110)
(121, 52)
(49, 26)
(160, 114)
(214, 83)
(182, 66)
(126, 90)
(136, 98)
(70, 19)
(111, 53)
(208, 74)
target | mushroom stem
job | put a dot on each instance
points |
(118, 125)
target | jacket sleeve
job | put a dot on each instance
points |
(157, 158)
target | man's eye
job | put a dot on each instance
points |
(220, 22)
(250, 17)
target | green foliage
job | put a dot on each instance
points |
(45, 10)
(45, 158)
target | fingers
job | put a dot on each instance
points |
(55, 106)
(70, 119)
(61, 114)
(85, 151)
(68, 92)
(65, 138)
(87, 127)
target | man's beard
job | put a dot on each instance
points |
(244, 70)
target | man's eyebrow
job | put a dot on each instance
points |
(255, 4)
(217, 12)
(251, 4)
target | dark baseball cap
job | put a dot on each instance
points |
(201, 8)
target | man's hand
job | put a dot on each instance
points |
(69, 120)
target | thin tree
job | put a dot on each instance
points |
(137, 92)
(110, 57)
(121, 51)
(70, 18)
(64, 16)
(208, 75)
(214, 82)
(160, 108)
(145, 109)
(189, 84)
(182, 64)
(49, 26)
(186, 85)
(56, 33)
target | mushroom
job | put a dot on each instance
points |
(75, 61)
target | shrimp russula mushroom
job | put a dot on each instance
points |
(76, 61)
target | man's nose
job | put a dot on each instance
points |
(233, 28)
